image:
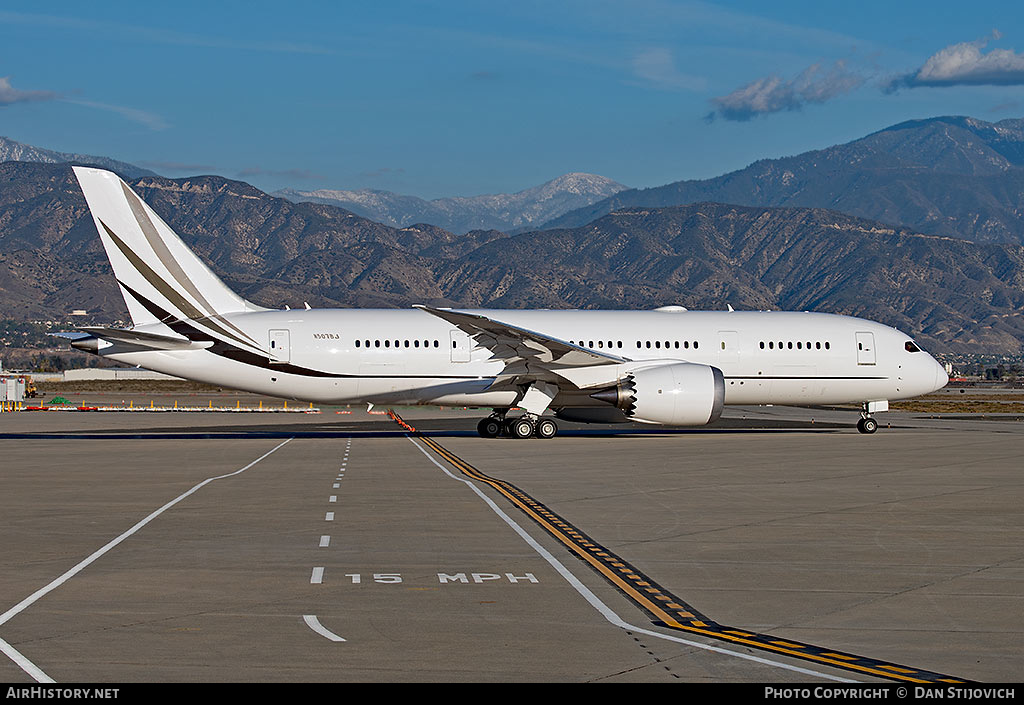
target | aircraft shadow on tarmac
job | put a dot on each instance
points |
(429, 427)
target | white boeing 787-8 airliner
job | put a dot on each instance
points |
(667, 366)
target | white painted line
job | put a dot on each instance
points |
(593, 599)
(329, 517)
(325, 541)
(336, 485)
(27, 665)
(313, 623)
(317, 577)
(333, 498)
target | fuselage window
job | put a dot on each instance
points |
(648, 344)
(826, 345)
(657, 344)
(799, 345)
(387, 343)
(686, 344)
(407, 343)
(817, 346)
(695, 344)
(357, 343)
(762, 345)
(620, 343)
(437, 344)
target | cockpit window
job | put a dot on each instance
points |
(910, 347)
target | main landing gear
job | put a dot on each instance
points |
(525, 426)
(534, 399)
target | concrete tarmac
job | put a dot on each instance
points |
(334, 547)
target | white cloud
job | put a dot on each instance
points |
(965, 64)
(10, 95)
(773, 94)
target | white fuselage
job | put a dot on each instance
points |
(411, 357)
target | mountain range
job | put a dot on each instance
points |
(953, 295)
(953, 176)
(11, 151)
(507, 212)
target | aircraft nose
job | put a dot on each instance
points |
(941, 378)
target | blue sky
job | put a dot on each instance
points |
(462, 98)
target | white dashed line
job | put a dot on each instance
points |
(325, 541)
(317, 577)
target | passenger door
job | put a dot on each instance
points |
(865, 348)
(280, 346)
(461, 346)
(728, 349)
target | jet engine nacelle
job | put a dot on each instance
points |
(674, 394)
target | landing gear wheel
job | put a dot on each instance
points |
(867, 425)
(520, 428)
(489, 427)
(546, 428)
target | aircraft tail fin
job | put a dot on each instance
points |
(160, 278)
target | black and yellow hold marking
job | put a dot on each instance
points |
(662, 606)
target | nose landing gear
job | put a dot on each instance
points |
(867, 425)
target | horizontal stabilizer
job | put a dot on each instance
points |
(152, 341)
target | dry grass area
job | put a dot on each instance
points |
(969, 401)
(958, 406)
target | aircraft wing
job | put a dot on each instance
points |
(528, 355)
